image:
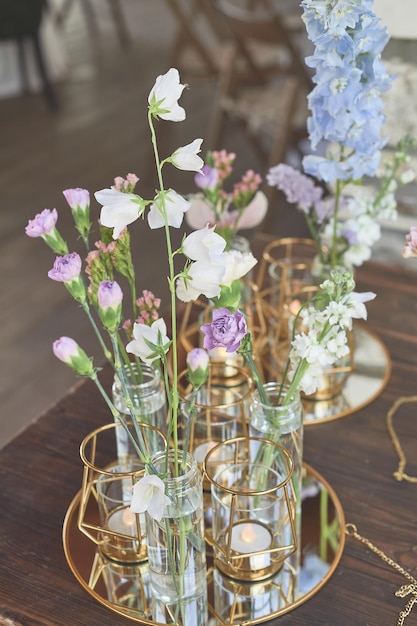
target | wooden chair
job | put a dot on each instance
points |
(20, 20)
(261, 78)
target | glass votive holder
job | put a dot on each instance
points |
(253, 509)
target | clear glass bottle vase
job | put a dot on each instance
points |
(176, 547)
(147, 393)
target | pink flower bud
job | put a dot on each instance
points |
(198, 366)
(65, 349)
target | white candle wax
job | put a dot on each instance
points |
(123, 521)
(202, 449)
(252, 537)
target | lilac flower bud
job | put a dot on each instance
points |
(227, 330)
(198, 366)
(69, 352)
(43, 225)
(110, 296)
(77, 198)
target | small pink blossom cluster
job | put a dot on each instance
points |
(410, 246)
(126, 185)
(247, 186)
(148, 306)
(222, 162)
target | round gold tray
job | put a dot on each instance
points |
(125, 589)
(368, 378)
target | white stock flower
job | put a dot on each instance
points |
(164, 95)
(149, 495)
(238, 264)
(356, 302)
(175, 207)
(118, 210)
(204, 245)
(186, 158)
(155, 334)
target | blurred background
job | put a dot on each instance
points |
(83, 121)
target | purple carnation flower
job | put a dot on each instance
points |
(109, 294)
(225, 331)
(66, 268)
(42, 224)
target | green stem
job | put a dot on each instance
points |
(333, 254)
(107, 353)
(171, 282)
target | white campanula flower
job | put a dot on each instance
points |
(203, 278)
(164, 95)
(149, 495)
(186, 157)
(170, 203)
(119, 209)
(204, 245)
(149, 342)
(238, 264)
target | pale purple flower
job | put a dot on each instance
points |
(42, 224)
(208, 178)
(225, 331)
(69, 352)
(297, 187)
(149, 495)
(66, 268)
(174, 207)
(109, 295)
(186, 158)
(77, 198)
(410, 247)
(147, 340)
(65, 349)
(164, 95)
(198, 366)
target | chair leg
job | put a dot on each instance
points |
(22, 64)
(47, 87)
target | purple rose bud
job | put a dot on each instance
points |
(69, 352)
(77, 198)
(66, 268)
(42, 224)
(198, 366)
(225, 331)
(109, 295)
(208, 178)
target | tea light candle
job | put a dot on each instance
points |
(202, 449)
(123, 521)
(252, 537)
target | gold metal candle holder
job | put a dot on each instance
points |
(108, 486)
(253, 509)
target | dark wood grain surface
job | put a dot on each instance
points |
(41, 472)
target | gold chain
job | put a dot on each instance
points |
(404, 590)
(399, 474)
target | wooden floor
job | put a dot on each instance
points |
(98, 132)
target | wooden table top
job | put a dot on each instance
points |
(41, 472)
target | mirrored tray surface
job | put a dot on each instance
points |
(126, 589)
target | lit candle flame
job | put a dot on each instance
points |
(248, 533)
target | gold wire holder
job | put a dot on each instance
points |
(108, 485)
(253, 508)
